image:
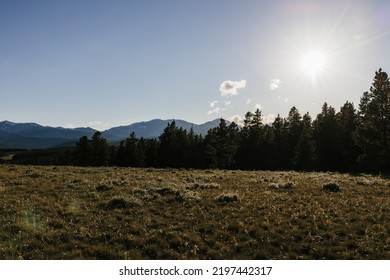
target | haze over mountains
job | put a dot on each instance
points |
(35, 136)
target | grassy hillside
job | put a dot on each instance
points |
(123, 213)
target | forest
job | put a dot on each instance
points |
(349, 140)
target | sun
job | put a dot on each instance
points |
(313, 62)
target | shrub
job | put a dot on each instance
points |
(331, 187)
(200, 186)
(286, 186)
(166, 190)
(104, 187)
(119, 202)
(281, 186)
(183, 196)
(225, 198)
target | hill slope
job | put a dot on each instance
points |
(35, 136)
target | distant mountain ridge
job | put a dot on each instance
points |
(35, 136)
(154, 128)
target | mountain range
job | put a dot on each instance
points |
(35, 136)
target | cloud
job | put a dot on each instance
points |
(237, 119)
(213, 103)
(230, 87)
(268, 119)
(228, 102)
(248, 101)
(94, 123)
(258, 106)
(99, 125)
(274, 84)
(281, 99)
(70, 125)
(214, 111)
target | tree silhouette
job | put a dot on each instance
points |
(304, 150)
(347, 123)
(222, 144)
(99, 150)
(174, 146)
(293, 125)
(83, 152)
(325, 134)
(373, 133)
(277, 144)
(250, 154)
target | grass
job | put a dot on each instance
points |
(126, 213)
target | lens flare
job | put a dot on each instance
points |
(313, 62)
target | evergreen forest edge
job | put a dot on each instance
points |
(351, 140)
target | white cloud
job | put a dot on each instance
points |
(248, 101)
(214, 111)
(230, 87)
(268, 119)
(95, 123)
(275, 84)
(258, 106)
(281, 99)
(125, 122)
(69, 125)
(213, 103)
(237, 119)
(227, 103)
(99, 125)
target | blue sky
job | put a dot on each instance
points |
(108, 63)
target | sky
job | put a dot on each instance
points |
(102, 64)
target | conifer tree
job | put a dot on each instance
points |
(304, 150)
(83, 152)
(278, 140)
(250, 154)
(173, 149)
(293, 125)
(347, 122)
(221, 145)
(99, 150)
(373, 132)
(326, 139)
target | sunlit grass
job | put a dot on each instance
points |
(125, 213)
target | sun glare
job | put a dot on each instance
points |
(313, 62)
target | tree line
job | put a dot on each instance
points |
(346, 141)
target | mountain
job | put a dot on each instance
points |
(37, 131)
(15, 141)
(154, 128)
(35, 136)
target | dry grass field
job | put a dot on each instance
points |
(126, 213)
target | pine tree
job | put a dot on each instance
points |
(83, 152)
(347, 123)
(174, 144)
(304, 150)
(250, 154)
(222, 144)
(326, 138)
(99, 150)
(151, 152)
(278, 139)
(293, 126)
(373, 132)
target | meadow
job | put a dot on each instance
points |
(127, 213)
